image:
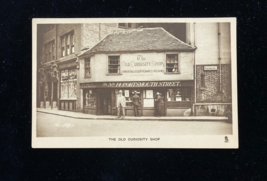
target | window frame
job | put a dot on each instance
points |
(90, 73)
(119, 64)
(49, 50)
(68, 82)
(67, 44)
(178, 63)
(85, 99)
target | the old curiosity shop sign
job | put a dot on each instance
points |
(142, 64)
(130, 84)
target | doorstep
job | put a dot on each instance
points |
(79, 115)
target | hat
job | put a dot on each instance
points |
(120, 91)
(157, 92)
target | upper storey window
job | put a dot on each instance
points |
(49, 49)
(67, 44)
(114, 64)
(172, 63)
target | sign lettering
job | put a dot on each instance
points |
(210, 67)
(135, 84)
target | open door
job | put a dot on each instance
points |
(105, 102)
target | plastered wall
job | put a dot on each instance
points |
(99, 68)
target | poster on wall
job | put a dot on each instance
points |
(126, 93)
(149, 93)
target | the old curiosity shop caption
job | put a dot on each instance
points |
(133, 139)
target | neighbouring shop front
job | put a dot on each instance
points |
(68, 86)
(100, 97)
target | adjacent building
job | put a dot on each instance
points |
(81, 67)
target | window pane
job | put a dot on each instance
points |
(114, 62)
(72, 89)
(72, 74)
(64, 89)
(172, 63)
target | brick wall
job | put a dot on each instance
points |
(66, 28)
(210, 93)
(92, 33)
(212, 110)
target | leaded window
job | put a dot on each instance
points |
(114, 64)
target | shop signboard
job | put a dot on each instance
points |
(136, 84)
(142, 63)
(210, 67)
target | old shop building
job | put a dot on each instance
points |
(148, 61)
(57, 48)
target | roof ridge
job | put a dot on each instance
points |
(176, 38)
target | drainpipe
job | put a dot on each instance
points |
(219, 56)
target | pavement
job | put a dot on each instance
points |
(51, 125)
(79, 115)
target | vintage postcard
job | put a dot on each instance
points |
(134, 83)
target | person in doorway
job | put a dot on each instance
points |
(159, 105)
(136, 103)
(121, 102)
(156, 105)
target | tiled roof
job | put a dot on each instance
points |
(153, 39)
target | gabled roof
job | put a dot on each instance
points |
(145, 39)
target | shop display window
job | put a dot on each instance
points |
(68, 83)
(89, 98)
(148, 98)
(172, 65)
(128, 94)
(178, 95)
(114, 64)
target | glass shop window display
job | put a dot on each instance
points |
(128, 94)
(89, 98)
(178, 95)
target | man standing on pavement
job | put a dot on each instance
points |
(156, 105)
(136, 103)
(159, 105)
(121, 102)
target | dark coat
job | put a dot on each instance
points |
(159, 101)
(136, 100)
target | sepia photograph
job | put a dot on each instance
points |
(134, 83)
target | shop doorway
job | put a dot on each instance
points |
(105, 102)
(159, 107)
